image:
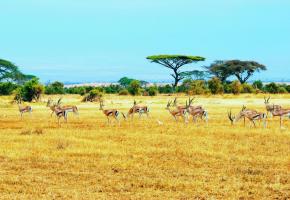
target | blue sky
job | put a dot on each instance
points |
(89, 40)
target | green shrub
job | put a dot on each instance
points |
(272, 88)
(93, 95)
(124, 92)
(152, 91)
(246, 88)
(236, 87)
(7, 88)
(215, 86)
(55, 88)
(282, 90)
(258, 85)
(166, 89)
(134, 88)
(32, 90)
(198, 87)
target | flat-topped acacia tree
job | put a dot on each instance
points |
(175, 62)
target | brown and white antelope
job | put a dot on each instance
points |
(270, 108)
(111, 113)
(197, 111)
(24, 109)
(60, 113)
(252, 115)
(177, 113)
(190, 100)
(68, 108)
(140, 109)
(281, 113)
(52, 106)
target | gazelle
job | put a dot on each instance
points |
(68, 108)
(197, 111)
(111, 113)
(52, 106)
(281, 113)
(138, 109)
(269, 107)
(177, 113)
(60, 113)
(185, 107)
(252, 115)
(25, 109)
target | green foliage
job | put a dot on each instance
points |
(282, 90)
(7, 88)
(258, 85)
(287, 87)
(9, 71)
(31, 90)
(175, 62)
(55, 88)
(166, 89)
(236, 87)
(152, 91)
(134, 88)
(246, 88)
(125, 81)
(271, 88)
(215, 86)
(124, 92)
(94, 95)
(112, 89)
(76, 90)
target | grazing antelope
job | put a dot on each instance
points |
(280, 113)
(197, 111)
(60, 113)
(252, 115)
(269, 107)
(25, 109)
(138, 109)
(113, 113)
(177, 113)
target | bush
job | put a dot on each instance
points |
(32, 90)
(287, 87)
(124, 92)
(236, 87)
(282, 90)
(227, 88)
(112, 89)
(152, 91)
(246, 88)
(272, 88)
(167, 89)
(76, 90)
(55, 88)
(258, 85)
(215, 86)
(134, 88)
(7, 88)
(93, 95)
(198, 87)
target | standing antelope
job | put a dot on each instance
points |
(60, 113)
(114, 113)
(138, 109)
(269, 107)
(177, 113)
(252, 115)
(196, 111)
(281, 113)
(68, 108)
(52, 106)
(25, 109)
(185, 107)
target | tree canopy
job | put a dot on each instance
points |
(243, 70)
(9, 71)
(175, 62)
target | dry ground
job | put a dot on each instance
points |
(87, 159)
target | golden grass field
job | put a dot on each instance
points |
(88, 159)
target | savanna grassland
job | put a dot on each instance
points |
(143, 159)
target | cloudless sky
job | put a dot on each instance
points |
(103, 40)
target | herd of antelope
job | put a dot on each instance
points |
(176, 111)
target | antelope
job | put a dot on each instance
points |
(138, 109)
(177, 113)
(52, 106)
(184, 107)
(252, 115)
(114, 113)
(60, 113)
(269, 107)
(196, 111)
(26, 109)
(68, 108)
(280, 113)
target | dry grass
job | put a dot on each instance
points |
(87, 159)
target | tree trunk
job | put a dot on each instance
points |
(176, 78)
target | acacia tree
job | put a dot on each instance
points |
(9, 71)
(243, 70)
(175, 62)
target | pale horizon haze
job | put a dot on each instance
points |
(102, 41)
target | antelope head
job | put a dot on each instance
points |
(175, 101)
(49, 102)
(59, 101)
(266, 100)
(231, 117)
(168, 105)
(135, 103)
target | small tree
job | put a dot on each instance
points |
(175, 62)
(9, 71)
(125, 81)
(55, 88)
(134, 88)
(32, 90)
(258, 85)
(236, 87)
(93, 96)
(215, 86)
